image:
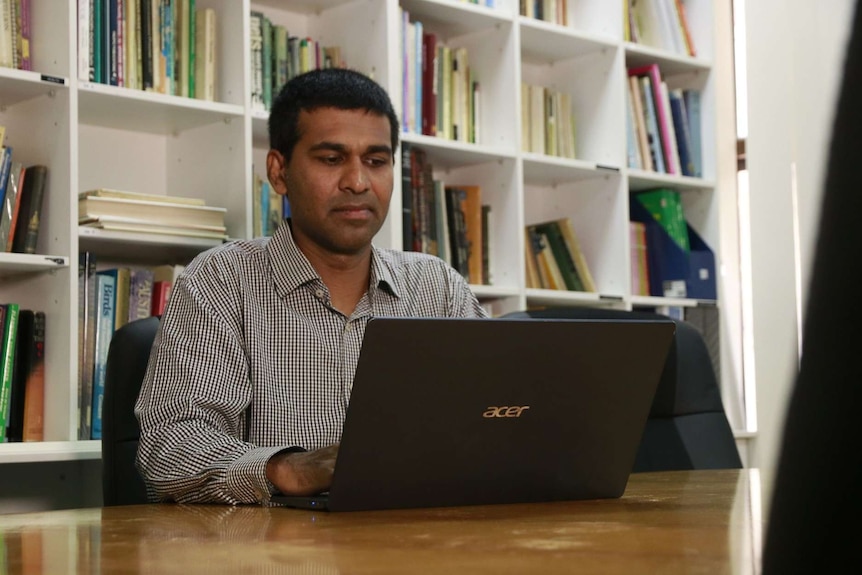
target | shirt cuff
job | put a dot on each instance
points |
(246, 477)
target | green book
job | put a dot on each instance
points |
(7, 362)
(564, 259)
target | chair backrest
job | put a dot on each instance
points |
(687, 426)
(126, 365)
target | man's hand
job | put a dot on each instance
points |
(304, 472)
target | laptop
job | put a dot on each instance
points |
(451, 412)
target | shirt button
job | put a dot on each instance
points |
(319, 293)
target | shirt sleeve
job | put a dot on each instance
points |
(463, 301)
(193, 406)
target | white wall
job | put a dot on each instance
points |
(795, 56)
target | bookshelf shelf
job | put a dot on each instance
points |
(97, 136)
(453, 19)
(544, 42)
(37, 452)
(21, 85)
(650, 301)
(447, 154)
(141, 247)
(549, 170)
(15, 264)
(139, 111)
(670, 64)
(642, 180)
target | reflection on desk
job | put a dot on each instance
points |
(667, 522)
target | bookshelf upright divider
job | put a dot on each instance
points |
(92, 135)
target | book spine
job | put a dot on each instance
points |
(7, 363)
(6, 199)
(406, 198)
(26, 36)
(14, 192)
(161, 291)
(140, 293)
(105, 286)
(30, 215)
(20, 374)
(34, 388)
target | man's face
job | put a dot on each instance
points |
(339, 179)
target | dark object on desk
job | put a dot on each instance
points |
(127, 363)
(687, 426)
(448, 411)
(816, 500)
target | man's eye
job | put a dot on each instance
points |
(330, 159)
(376, 162)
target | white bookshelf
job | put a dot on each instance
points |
(91, 135)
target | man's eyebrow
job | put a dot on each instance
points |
(341, 148)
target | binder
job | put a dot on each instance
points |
(672, 271)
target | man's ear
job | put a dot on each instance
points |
(275, 172)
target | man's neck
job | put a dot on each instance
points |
(346, 277)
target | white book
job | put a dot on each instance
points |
(85, 46)
(162, 213)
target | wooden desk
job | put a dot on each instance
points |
(670, 522)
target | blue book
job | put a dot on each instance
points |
(692, 110)
(683, 136)
(106, 285)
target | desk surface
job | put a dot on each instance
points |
(669, 522)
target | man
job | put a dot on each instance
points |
(251, 371)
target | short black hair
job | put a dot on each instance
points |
(340, 88)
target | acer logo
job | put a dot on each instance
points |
(505, 411)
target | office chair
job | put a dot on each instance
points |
(813, 522)
(126, 366)
(687, 427)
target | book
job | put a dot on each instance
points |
(105, 297)
(644, 152)
(662, 114)
(20, 371)
(157, 213)
(86, 339)
(683, 134)
(8, 343)
(457, 231)
(637, 258)
(564, 260)
(161, 291)
(26, 237)
(12, 207)
(140, 196)
(574, 247)
(140, 293)
(122, 281)
(205, 54)
(121, 224)
(34, 388)
(8, 195)
(406, 197)
(472, 207)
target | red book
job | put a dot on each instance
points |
(430, 73)
(161, 291)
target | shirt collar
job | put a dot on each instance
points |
(291, 269)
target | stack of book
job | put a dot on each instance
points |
(160, 46)
(122, 211)
(22, 189)
(554, 258)
(448, 221)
